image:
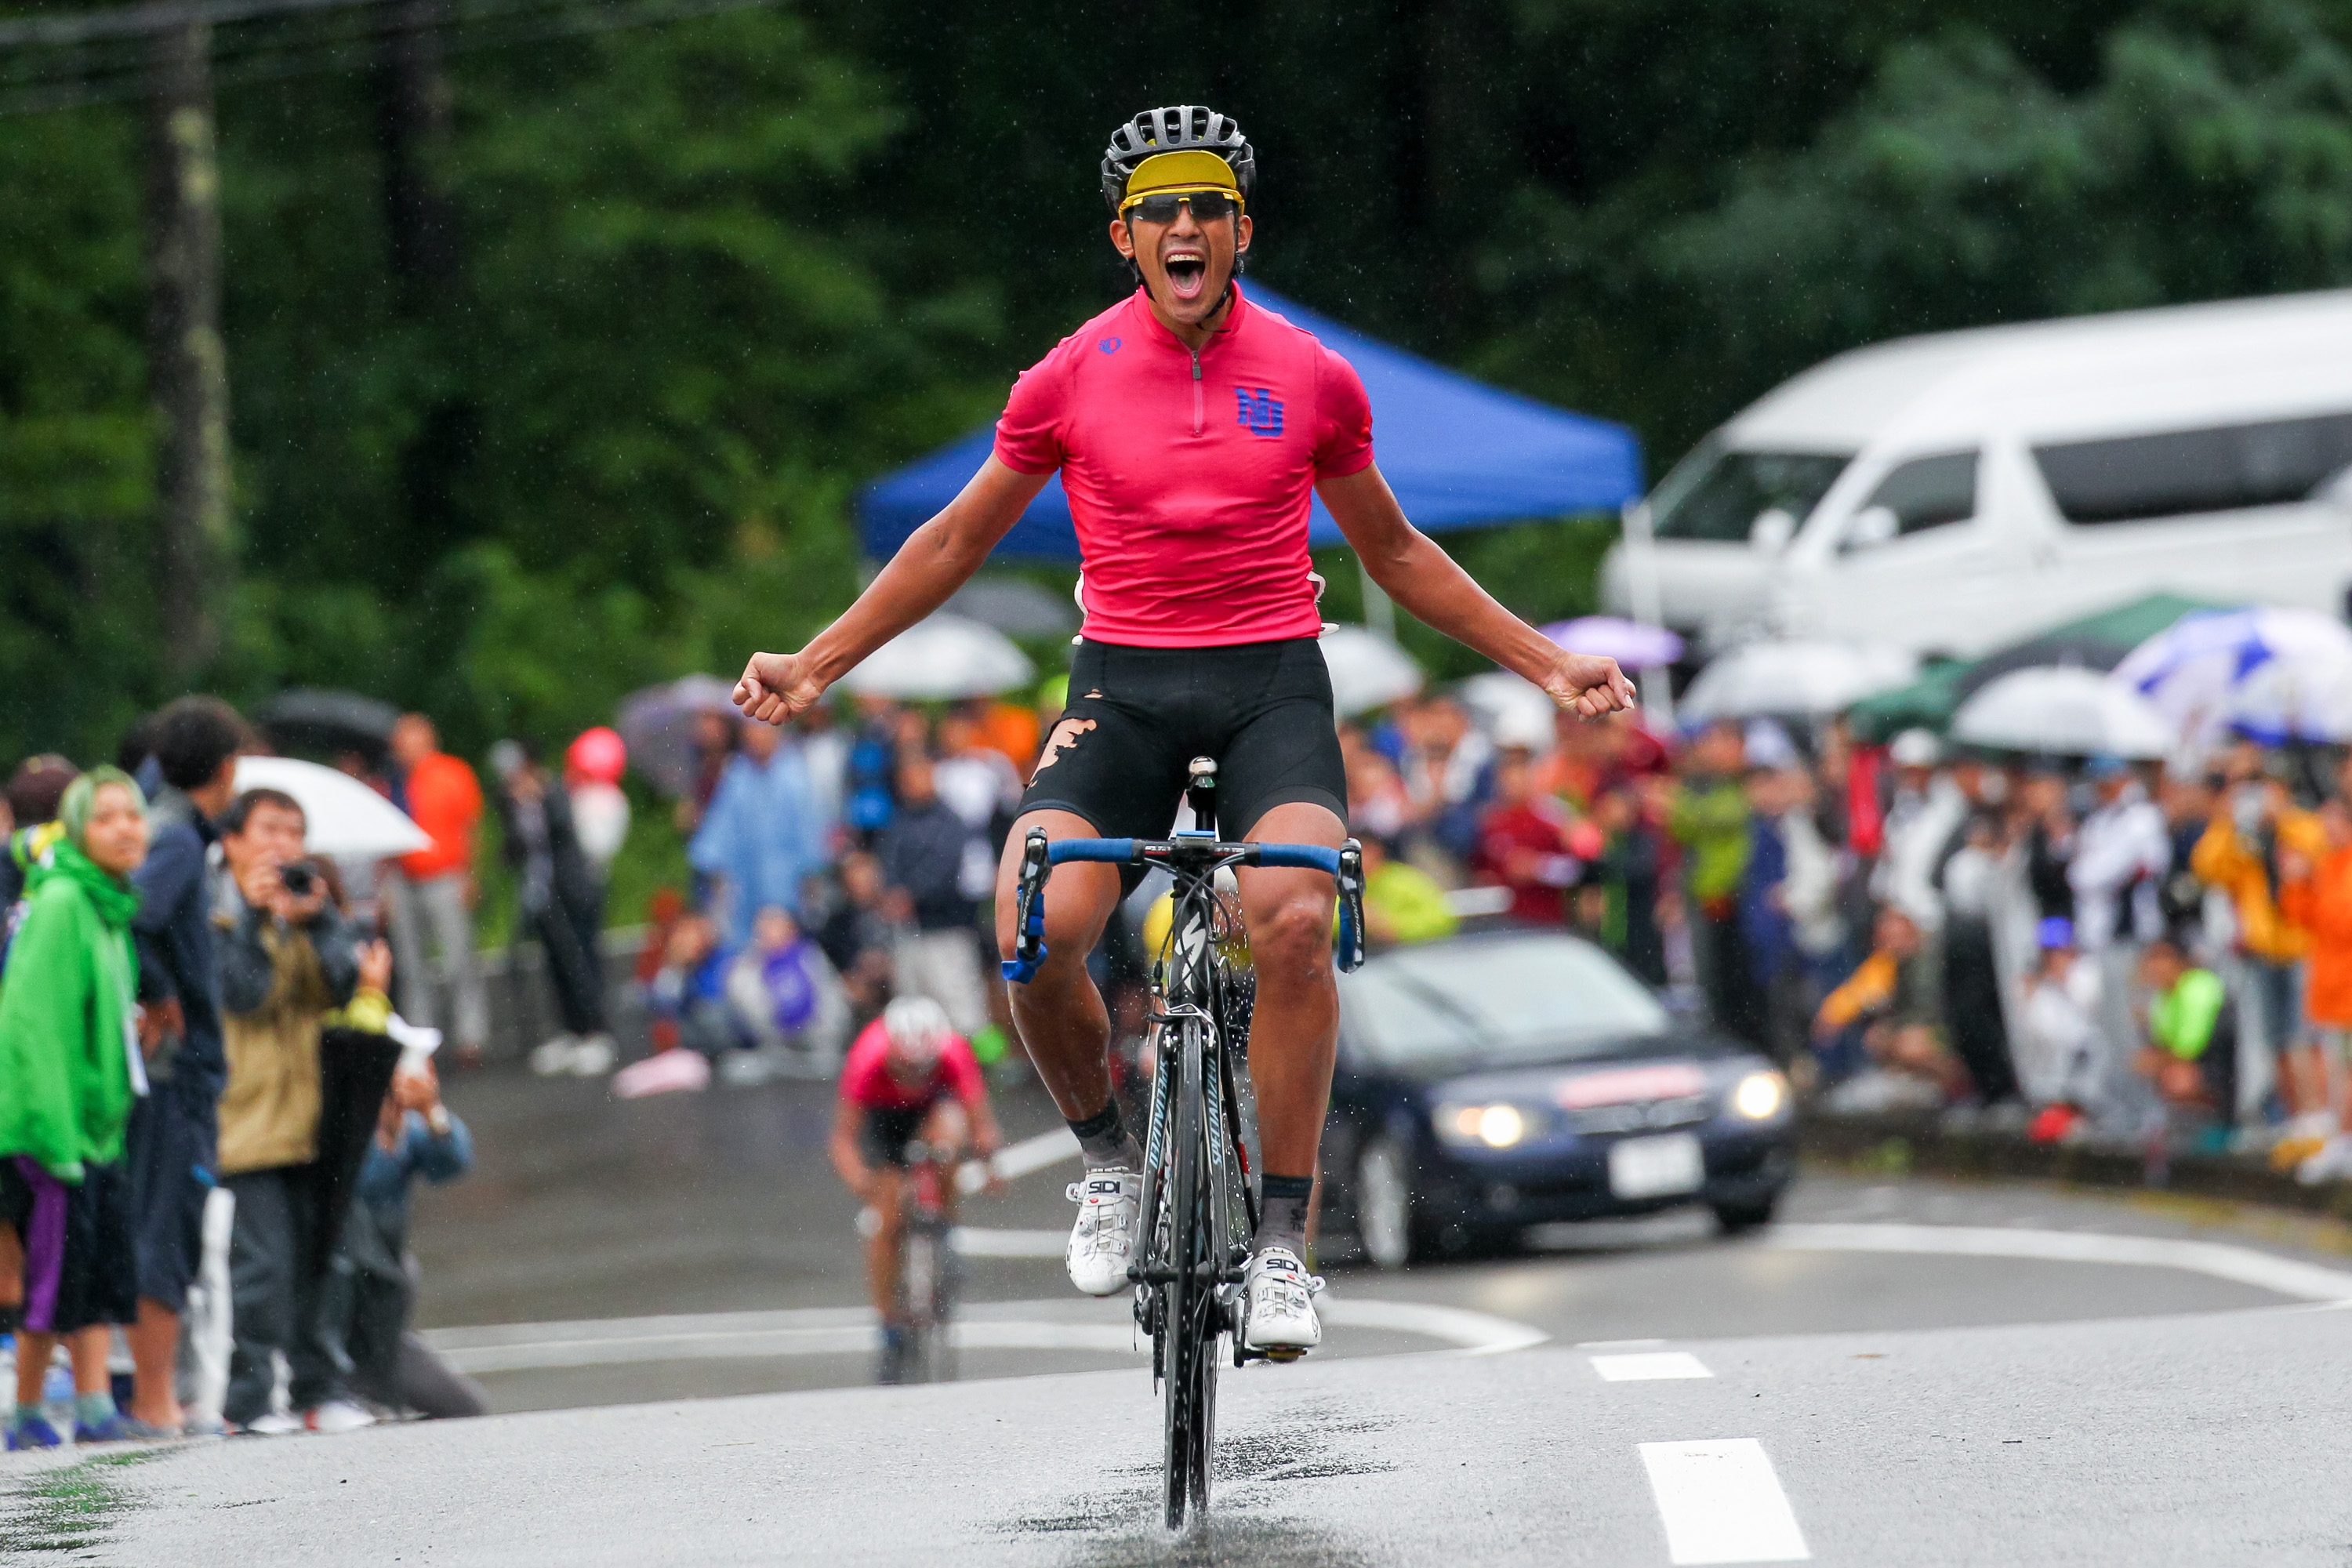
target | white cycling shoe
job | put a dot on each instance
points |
(1280, 1306)
(1102, 1243)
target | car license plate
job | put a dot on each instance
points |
(1654, 1167)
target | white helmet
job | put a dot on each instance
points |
(917, 1028)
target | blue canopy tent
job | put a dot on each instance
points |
(1457, 453)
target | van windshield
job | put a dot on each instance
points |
(1716, 492)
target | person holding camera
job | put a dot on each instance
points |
(288, 959)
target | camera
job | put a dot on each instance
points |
(301, 878)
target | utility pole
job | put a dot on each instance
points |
(188, 361)
(413, 133)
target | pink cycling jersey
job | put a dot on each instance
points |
(866, 1079)
(1190, 476)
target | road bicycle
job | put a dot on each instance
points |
(928, 1271)
(1199, 1207)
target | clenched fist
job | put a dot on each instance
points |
(1589, 685)
(775, 687)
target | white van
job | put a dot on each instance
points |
(1949, 493)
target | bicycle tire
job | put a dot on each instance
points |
(930, 1294)
(1189, 1324)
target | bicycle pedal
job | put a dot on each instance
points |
(1283, 1356)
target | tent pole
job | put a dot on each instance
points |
(1379, 610)
(1642, 588)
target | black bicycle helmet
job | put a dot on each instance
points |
(1178, 128)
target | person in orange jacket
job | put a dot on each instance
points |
(2256, 834)
(2316, 892)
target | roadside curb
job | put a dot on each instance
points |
(1905, 1143)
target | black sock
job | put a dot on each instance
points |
(1282, 1215)
(1104, 1141)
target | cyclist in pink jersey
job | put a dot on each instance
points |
(1191, 429)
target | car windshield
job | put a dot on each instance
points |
(1716, 493)
(1529, 998)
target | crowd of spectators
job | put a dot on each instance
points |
(196, 1026)
(2158, 956)
(837, 862)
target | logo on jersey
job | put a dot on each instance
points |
(1261, 411)
(1109, 345)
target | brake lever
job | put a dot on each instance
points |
(1351, 907)
(1029, 911)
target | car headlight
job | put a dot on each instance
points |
(1492, 1126)
(1760, 1096)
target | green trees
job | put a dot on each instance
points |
(555, 366)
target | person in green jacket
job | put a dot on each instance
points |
(70, 1065)
(1708, 816)
(1403, 903)
(2191, 1055)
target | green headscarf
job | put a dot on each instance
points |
(112, 897)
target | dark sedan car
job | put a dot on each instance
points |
(1515, 1078)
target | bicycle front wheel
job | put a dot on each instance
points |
(1192, 1319)
(927, 1290)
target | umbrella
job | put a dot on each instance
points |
(2300, 694)
(1631, 643)
(1509, 708)
(2069, 712)
(1368, 670)
(2056, 650)
(1810, 679)
(1015, 606)
(657, 726)
(941, 657)
(341, 817)
(327, 722)
(2192, 671)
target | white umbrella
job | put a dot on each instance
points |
(942, 657)
(2063, 712)
(1368, 670)
(2193, 670)
(2298, 692)
(1513, 711)
(341, 817)
(1794, 678)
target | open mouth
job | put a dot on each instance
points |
(1187, 269)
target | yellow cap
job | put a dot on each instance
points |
(1186, 171)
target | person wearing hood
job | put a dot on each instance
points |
(70, 1068)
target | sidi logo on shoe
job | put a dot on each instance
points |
(1262, 414)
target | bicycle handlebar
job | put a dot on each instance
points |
(1039, 857)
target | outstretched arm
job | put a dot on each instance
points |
(1426, 581)
(936, 560)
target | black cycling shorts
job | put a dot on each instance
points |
(1138, 716)
(890, 1127)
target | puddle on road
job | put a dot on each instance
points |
(1257, 1465)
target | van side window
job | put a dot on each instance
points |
(2185, 472)
(1924, 494)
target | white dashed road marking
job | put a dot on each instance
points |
(1721, 1502)
(1648, 1366)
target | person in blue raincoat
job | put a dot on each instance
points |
(762, 834)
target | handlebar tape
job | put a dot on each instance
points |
(1118, 850)
(1305, 856)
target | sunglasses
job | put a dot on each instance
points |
(1207, 206)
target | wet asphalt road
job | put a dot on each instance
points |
(674, 1210)
(1903, 1372)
